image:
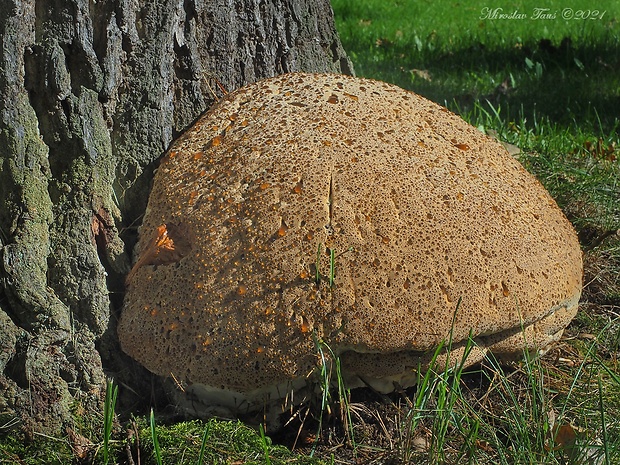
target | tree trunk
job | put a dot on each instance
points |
(92, 94)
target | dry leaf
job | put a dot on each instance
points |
(420, 443)
(483, 445)
(564, 438)
(79, 444)
(599, 150)
(421, 73)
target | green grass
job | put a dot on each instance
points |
(563, 70)
(533, 412)
(174, 443)
(213, 441)
(111, 395)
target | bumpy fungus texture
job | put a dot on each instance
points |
(420, 209)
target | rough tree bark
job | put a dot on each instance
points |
(92, 94)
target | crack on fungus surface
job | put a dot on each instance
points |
(329, 228)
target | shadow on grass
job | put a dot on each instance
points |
(565, 82)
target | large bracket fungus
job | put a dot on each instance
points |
(425, 228)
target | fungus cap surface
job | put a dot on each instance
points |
(423, 214)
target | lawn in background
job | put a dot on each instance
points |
(566, 69)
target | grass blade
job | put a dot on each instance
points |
(317, 276)
(156, 449)
(109, 406)
(603, 421)
(203, 444)
(264, 444)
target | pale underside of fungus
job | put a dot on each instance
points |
(308, 210)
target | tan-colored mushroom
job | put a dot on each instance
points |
(404, 206)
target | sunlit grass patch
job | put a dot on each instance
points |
(451, 53)
(210, 442)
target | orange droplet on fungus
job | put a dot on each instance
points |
(217, 140)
